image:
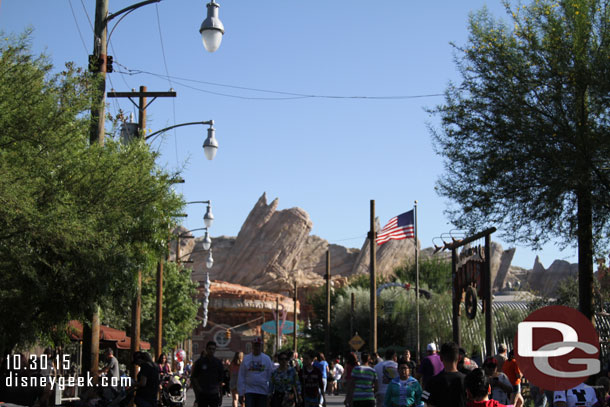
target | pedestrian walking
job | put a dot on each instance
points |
(147, 385)
(431, 365)
(284, 386)
(311, 383)
(446, 389)
(207, 378)
(363, 385)
(478, 389)
(501, 356)
(254, 375)
(412, 366)
(337, 374)
(238, 358)
(350, 364)
(501, 389)
(386, 372)
(321, 363)
(511, 369)
(404, 390)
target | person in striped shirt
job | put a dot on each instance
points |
(363, 385)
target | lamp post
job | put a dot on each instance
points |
(211, 30)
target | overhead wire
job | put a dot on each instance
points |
(87, 14)
(80, 34)
(168, 78)
(289, 95)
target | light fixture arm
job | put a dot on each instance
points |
(208, 123)
(129, 9)
(125, 11)
(201, 202)
(182, 235)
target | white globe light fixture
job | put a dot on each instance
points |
(208, 218)
(207, 242)
(210, 260)
(210, 145)
(212, 29)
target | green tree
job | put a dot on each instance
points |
(76, 221)
(525, 133)
(180, 305)
(434, 272)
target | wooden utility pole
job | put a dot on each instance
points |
(327, 321)
(97, 64)
(373, 266)
(294, 316)
(142, 104)
(159, 320)
(277, 325)
(351, 316)
(487, 301)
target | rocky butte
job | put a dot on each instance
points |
(275, 246)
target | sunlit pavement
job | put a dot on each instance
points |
(226, 401)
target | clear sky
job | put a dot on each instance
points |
(329, 153)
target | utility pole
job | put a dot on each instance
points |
(294, 317)
(351, 316)
(277, 325)
(159, 322)
(373, 266)
(97, 64)
(142, 104)
(327, 322)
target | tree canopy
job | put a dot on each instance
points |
(525, 134)
(76, 220)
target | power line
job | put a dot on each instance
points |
(168, 79)
(87, 14)
(78, 28)
(289, 95)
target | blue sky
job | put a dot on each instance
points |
(327, 155)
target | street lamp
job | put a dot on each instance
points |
(210, 261)
(212, 29)
(130, 130)
(207, 242)
(210, 145)
(208, 218)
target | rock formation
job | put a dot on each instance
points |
(274, 247)
(545, 281)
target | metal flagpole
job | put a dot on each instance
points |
(416, 279)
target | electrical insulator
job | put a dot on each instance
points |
(228, 334)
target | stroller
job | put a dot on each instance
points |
(173, 391)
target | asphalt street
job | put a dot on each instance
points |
(335, 401)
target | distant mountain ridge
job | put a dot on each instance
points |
(274, 247)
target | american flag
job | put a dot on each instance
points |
(399, 227)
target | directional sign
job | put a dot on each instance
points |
(269, 327)
(356, 342)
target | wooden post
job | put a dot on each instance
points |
(327, 320)
(373, 266)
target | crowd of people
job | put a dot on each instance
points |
(445, 377)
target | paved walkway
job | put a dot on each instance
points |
(335, 401)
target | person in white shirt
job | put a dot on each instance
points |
(337, 373)
(581, 395)
(254, 375)
(386, 372)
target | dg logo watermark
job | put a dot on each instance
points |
(557, 348)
